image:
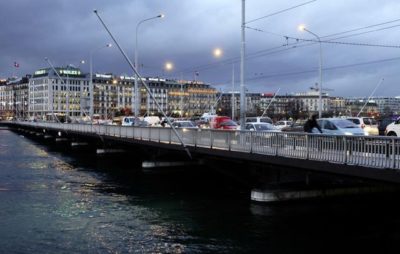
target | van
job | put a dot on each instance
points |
(259, 119)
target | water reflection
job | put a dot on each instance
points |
(54, 201)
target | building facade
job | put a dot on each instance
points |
(114, 95)
(14, 98)
(58, 92)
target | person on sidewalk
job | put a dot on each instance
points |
(312, 123)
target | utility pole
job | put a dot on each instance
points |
(242, 68)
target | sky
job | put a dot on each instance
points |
(359, 41)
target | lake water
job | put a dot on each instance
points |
(52, 201)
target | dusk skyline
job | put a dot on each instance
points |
(360, 41)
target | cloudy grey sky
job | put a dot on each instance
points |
(66, 31)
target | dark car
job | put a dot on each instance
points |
(297, 126)
(382, 123)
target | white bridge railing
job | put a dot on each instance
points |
(368, 151)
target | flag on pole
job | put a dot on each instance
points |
(16, 65)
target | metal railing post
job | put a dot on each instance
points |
(307, 147)
(229, 140)
(344, 149)
(211, 139)
(251, 142)
(393, 153)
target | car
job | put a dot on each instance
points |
(283, 124)
(264, 127)
(383, 123)
(338, 126)
(368, 124)
(128, 121)
(259, 119)
(184, 124)
(297, 126)
(393, 129)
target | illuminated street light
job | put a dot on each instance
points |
(136, 100)
(303, 28)
(217, 52)
(169, 66)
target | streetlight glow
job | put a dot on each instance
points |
(169, 66)
(217, 52)
(302, 27)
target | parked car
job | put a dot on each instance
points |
(393, 129)
(259, 119)
(283, 124)
(368, 124)
(261, 127)
(338, 126)
(297, 126)
(223, 123)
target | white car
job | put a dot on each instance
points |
(282, 124)
(393, 129)
(184, 124)
(338, 126)
(261, 127)
(368, 124)
(258, 119)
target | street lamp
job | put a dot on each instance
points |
(108, 45)
(303, 28)
(217, 52)
(137, 94)
(169, 66)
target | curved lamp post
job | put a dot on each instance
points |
(136, 100)
(303, 28)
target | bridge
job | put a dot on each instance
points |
(369, 157)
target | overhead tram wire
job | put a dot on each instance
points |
(298, 44)
(281, 11)
(326, 68)
(261, 77)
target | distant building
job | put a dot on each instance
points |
(253, 102)
(309, 102)
(355, 106)
(386, 105)
(49, 95)
(14, 97)
(175, 97)
(337, 106)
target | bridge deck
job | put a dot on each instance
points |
(365, 151)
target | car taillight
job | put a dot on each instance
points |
(362, 126)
